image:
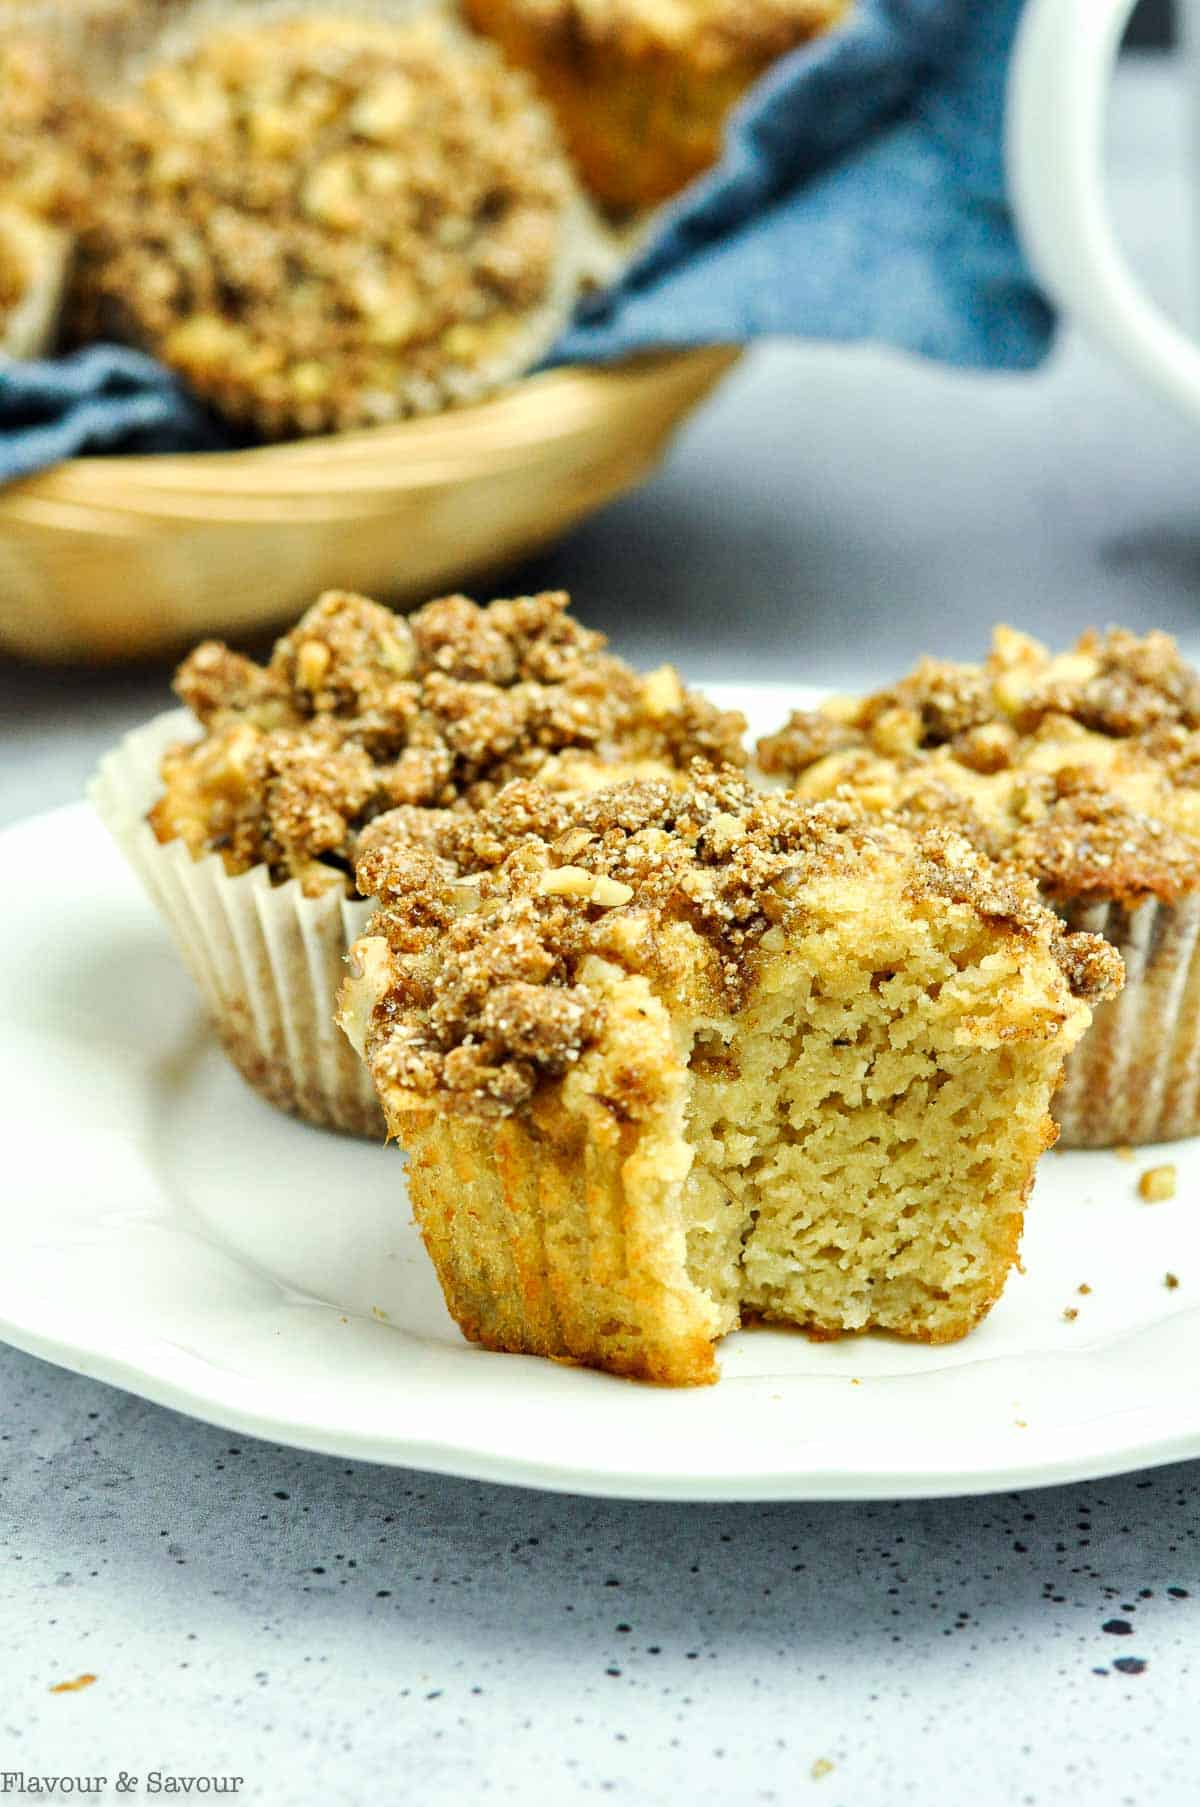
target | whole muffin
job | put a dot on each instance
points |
(245, 823)
(642, 88)
(327, 221)
(666, 1060)
(1084, 769)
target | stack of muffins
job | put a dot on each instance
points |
(671, 1046)
(334, 214)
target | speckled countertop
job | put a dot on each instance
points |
(333, 1633)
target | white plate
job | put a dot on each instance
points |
(164, 1230)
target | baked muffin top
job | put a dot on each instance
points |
(481, 974)
(1083, 767)
(325, 222)
(360, 711)
(714, 34)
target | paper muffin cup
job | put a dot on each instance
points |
(39, 253)
(268, 960)
(1135, 1076)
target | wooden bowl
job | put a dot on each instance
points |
(111, 558)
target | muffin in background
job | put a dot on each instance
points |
(1083, 768)
(327, 220)
(663, 1060)
(47, 129)
(642, 88)
(244, 819)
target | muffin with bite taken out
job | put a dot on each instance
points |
(663, 1060)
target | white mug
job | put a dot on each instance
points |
(1058, 88)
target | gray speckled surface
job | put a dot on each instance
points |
(337, 1633)
(349, 1634)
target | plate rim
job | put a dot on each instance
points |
(150, 1369)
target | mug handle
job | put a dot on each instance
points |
(1061, 71)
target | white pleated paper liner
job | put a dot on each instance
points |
(1135, 1076)
(268, 960)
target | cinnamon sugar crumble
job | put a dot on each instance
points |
(325, 223)
(361, 713)
(1084, 768)
(475, 965)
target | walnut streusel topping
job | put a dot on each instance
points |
(325, 222)
(361, 711)
(472, 981)
(1084, 766)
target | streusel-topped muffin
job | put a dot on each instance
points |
(327, 221)
(662, 1060)
(247, 833)
(642, 88)
(1084, 768)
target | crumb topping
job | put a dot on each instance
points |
(325, 223)
(362, 713)
(1084, 766)
(472, 979)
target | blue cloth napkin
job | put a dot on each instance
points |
(860, 197)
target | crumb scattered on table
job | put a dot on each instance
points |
(73, 1687)
(1070, 1314)
(1170, 1281)
(1158, 1184)
(822, 1767)
(1123, 1152)
(1085, 1288)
